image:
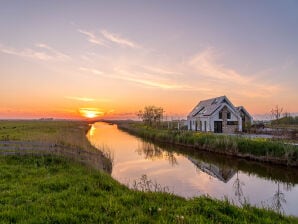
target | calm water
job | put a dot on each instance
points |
(190, 173)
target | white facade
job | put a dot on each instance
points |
(215, 115)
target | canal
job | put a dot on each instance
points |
(188, 173)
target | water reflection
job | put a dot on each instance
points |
(188, 172)
(223, 174)
(153, 152)
(286, 175)
(237, 185)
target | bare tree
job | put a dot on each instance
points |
(276, 112)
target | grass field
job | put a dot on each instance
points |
(48, 189)
(46, 131)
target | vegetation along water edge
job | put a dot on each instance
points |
(260, 149)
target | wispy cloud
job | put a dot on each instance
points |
(92, 38)
(145, 79)
(163, 84)
(205, 63)
(53, 52)
(161, 71)
(86, 99)
(118, 39)
(91, 70)
(225, 79)
(44, 53)
(105, 37)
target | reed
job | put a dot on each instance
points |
(251, 148)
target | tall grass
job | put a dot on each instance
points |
(257, 148)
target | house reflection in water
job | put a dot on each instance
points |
(223, 174)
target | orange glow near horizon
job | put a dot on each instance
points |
(91, 112)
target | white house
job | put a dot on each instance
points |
(218, 115)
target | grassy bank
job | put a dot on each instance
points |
(65, 138)
(48, 189)
(256, 149)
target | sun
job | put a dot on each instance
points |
(91, 112)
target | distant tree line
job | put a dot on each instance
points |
(288, 120)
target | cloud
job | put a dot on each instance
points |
(54, 53)
(147, 80)
(44, 53)
(92, 38)
(91, 70)
(206, 64)
(162, 71)
(119, 40)
(126, 75)
(86, 99)
(224, 79)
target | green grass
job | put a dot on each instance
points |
(48, 189)
(257, 148)
(48, 131)
(67, 133)
(69, 137)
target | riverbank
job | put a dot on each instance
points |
(259, 149)
(49, 189)
(53, 188)
(62, 138)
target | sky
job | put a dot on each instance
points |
(109, 59)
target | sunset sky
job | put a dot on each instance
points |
(68, 59)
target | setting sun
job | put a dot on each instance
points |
(91, 112)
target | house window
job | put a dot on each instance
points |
(220, 115)
(229, 115)
(232, 122)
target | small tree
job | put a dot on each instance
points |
(151, 115)
(276, 112)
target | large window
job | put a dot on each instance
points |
(229, 115)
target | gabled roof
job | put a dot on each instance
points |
(208, 107)
(241, 108)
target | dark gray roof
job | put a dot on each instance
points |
(241, 108)
(208, 107)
